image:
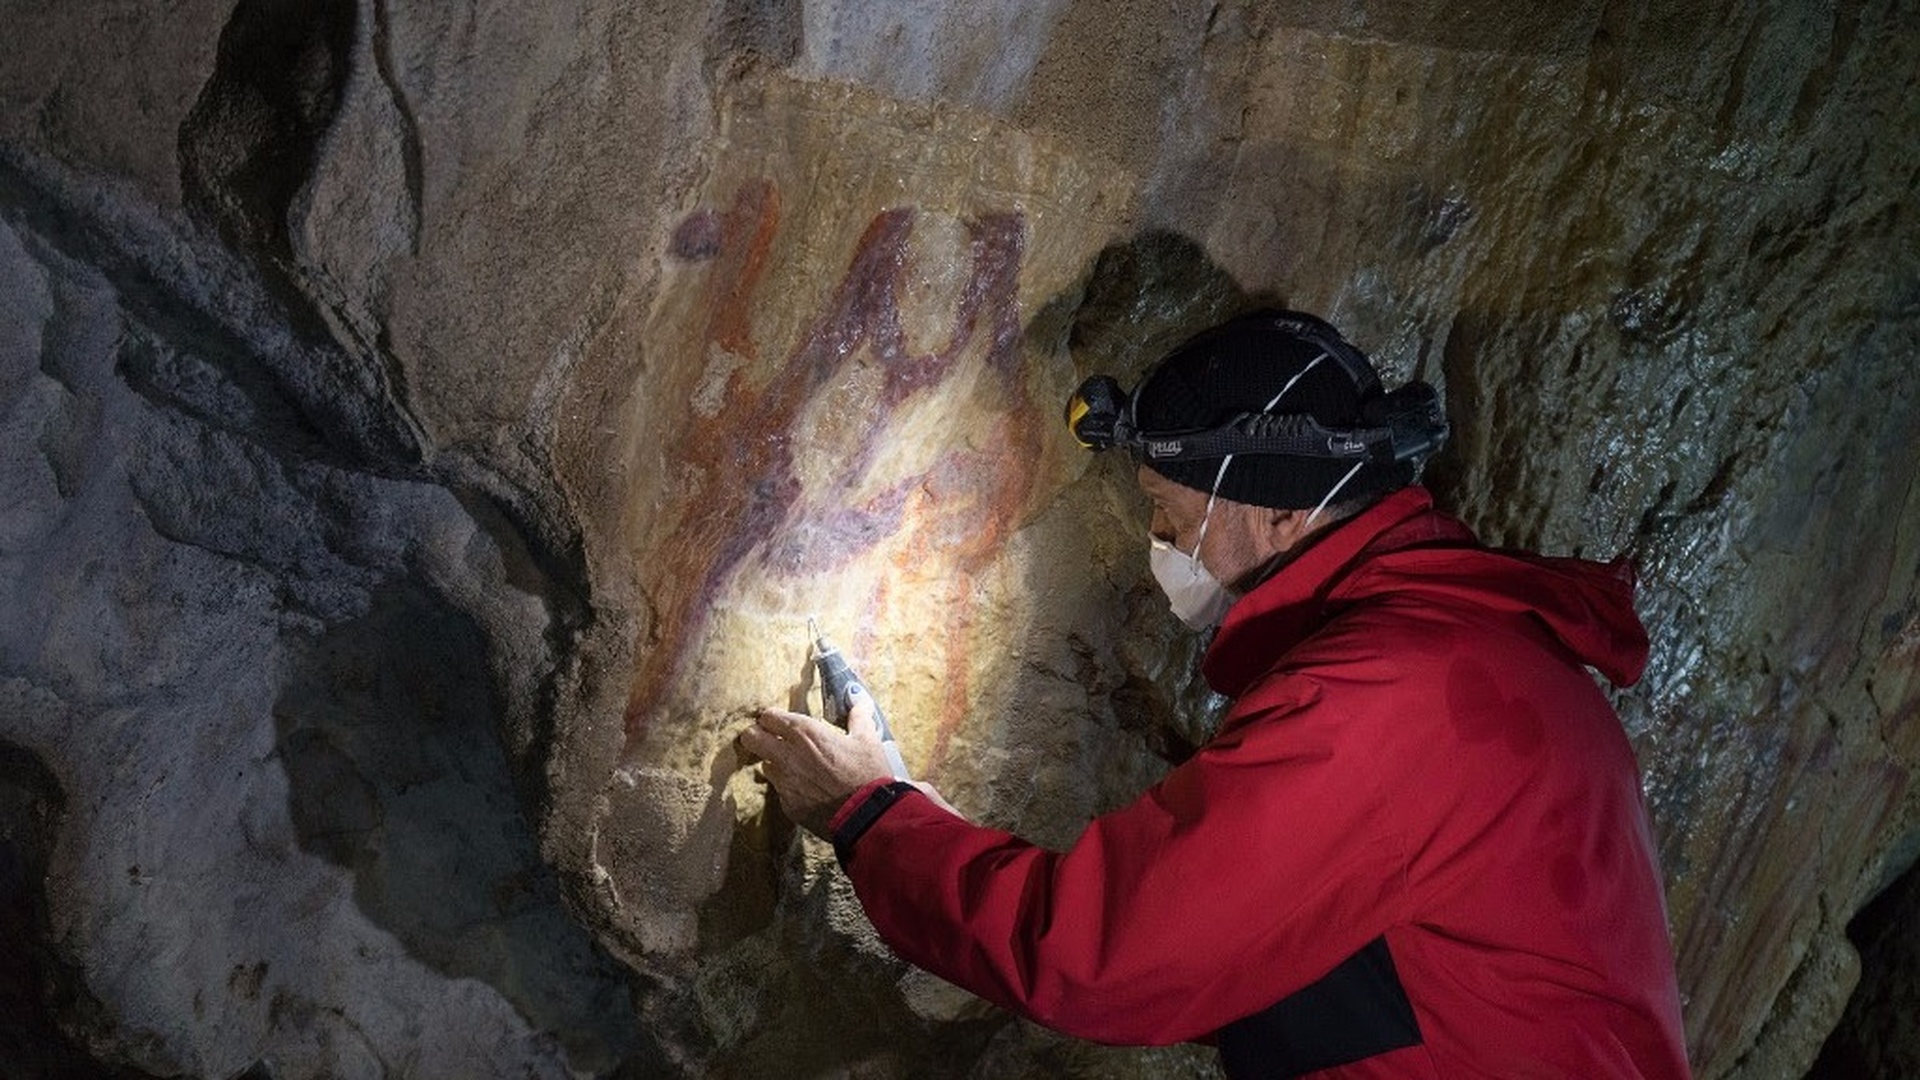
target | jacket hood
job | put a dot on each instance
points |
(1404, 548)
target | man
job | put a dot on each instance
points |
(1417, 845)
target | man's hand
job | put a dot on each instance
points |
(815, 766)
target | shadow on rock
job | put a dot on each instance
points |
(387, 731)
(40, 998)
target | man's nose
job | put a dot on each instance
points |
(1161, 528)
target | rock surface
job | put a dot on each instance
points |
(426, 435)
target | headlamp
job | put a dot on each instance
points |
(1100, 414)
(1407, 425)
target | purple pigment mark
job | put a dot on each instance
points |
(834, 538)
(698, 238)
(996, 244)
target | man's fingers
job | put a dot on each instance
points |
(779, 722)
(770, 730)
(777, 731)
(758, 742)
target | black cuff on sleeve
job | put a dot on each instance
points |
(863, 817)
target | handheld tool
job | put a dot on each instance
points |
(840, 688)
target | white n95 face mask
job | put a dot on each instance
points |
(1195, 597)
(1193, 593)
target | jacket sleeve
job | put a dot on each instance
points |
(1244, 875)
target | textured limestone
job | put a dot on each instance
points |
(381, 382)
(249, 677)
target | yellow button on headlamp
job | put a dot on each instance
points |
(1077, 410)
(1096, 413)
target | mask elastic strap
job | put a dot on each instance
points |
(1208, 516)
(1335, 491)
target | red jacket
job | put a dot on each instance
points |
(1417, 846)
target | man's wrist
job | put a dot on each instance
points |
(860, 812)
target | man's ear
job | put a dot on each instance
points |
(1286, 528)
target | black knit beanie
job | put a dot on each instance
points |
(1238, 367)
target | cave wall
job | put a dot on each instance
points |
(427, 432)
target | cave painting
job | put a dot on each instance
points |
(799, 466)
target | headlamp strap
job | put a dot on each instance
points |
(1288, 434)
